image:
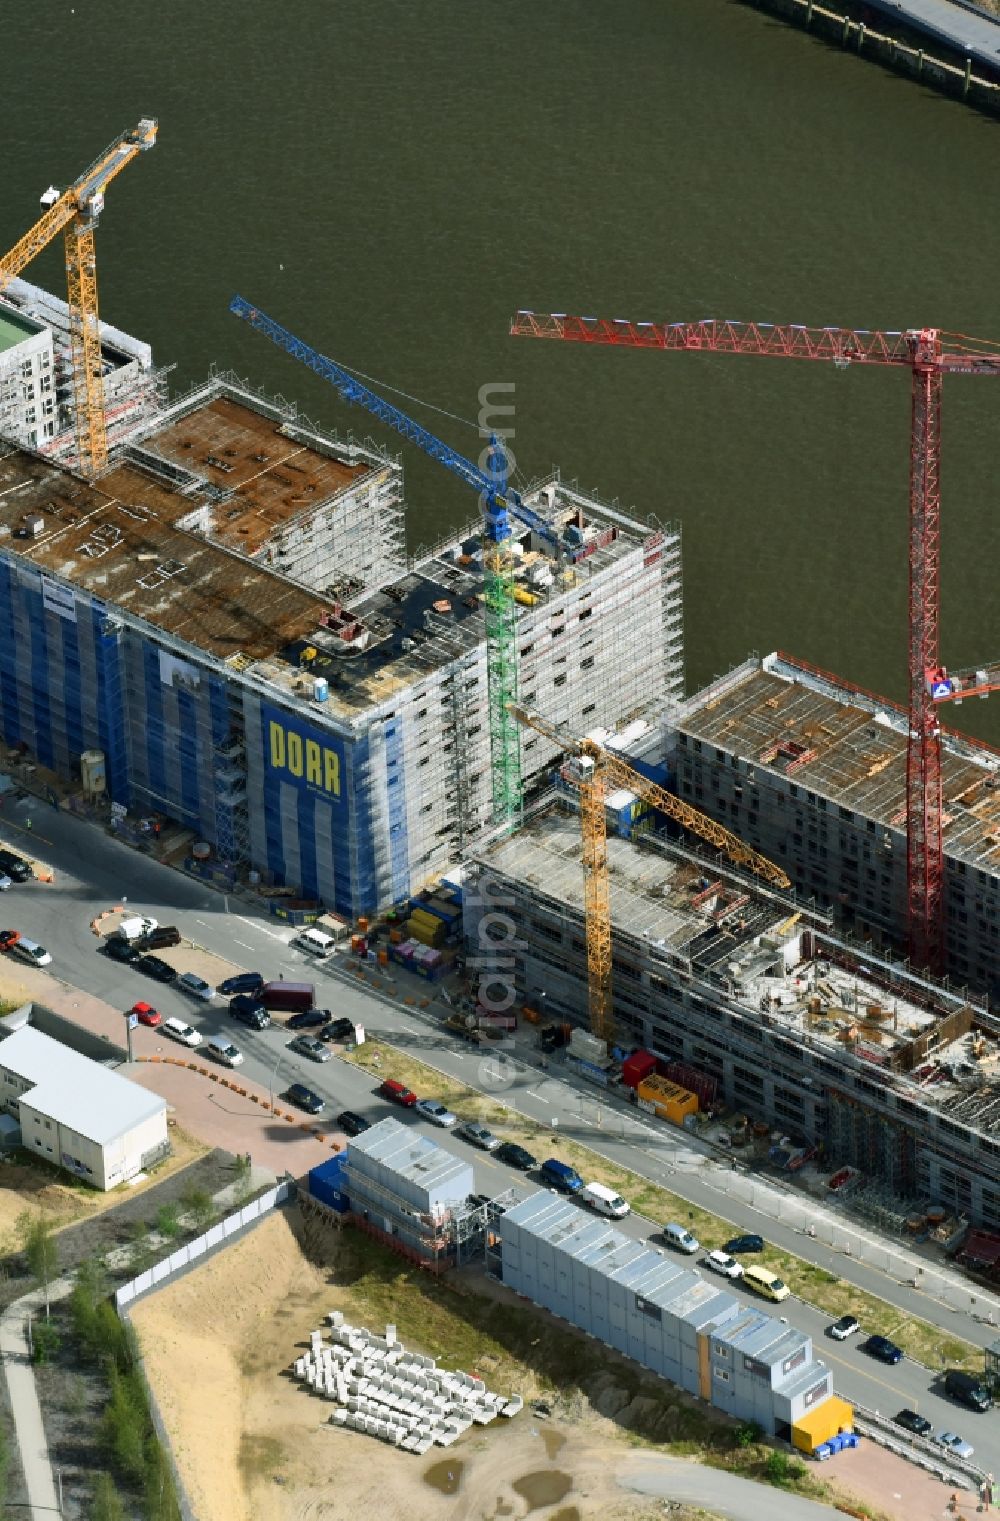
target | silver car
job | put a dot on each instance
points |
(478, 1135)
(955, 1444)
(308, 1045)
(190, 982)
(436, 1113)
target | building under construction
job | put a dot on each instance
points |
(227, 616)
(783, 1018)
(812, 771)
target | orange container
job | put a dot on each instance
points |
(531, 1015)
(383, 958)
(362, 926)
(396, 937)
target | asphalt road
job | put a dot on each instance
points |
(94, 871)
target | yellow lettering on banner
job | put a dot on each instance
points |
(277, 745)
(331, 772)
(294, 753)
(314, 772)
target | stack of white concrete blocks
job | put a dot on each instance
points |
(398, 1396)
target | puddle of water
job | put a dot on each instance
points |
(568, 1513)
(553, 1440)
(445, 1477)
(546, 1487)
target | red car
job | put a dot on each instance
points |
(146, 1014)
(397, 1092)
(8, 939)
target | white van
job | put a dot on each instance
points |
(603, 1200)
(178, 1030)
(676, 1235)
(224, 1051)
(31, 952)
(315, 942)
(136, 926)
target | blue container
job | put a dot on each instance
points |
(326, 1183)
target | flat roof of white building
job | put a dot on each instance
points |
(75, 1091)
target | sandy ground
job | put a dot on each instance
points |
(254, 1446)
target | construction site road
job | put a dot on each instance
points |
(93, 872)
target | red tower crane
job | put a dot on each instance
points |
(929, 355)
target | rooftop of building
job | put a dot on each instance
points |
(45, 309)
(15, 327)
(412, 1157)
(781, 965)
(166, 537)
(75, 1091)
(848, 746)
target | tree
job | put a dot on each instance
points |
(199, 1207)
(161, 1498)
(89, 1288)
(123, 1426)
(40, 1250)
(168, 1220)
(45, 1341)
(106, 1503)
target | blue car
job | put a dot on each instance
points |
(885, 1350)
(242, 982)
(561, 1176)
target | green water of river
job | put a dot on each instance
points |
(393, 179)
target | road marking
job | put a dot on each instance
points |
(261, 928)
(532, 1094)
(243, 944)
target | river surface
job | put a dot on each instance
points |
(392, 179)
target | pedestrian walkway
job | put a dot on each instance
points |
(724, 1494)
(29, 1430)
(967, 31)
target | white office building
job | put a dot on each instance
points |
(72, 1111)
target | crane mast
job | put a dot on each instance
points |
(75, 214)
(594, 770)
(925, 354)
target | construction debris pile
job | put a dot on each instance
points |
(400, 1397)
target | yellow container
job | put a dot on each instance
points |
(526, 598)
(418, 931)
(820, 1424)
(670, 1101)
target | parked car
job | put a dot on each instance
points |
(560, 1176)
(5, 882)
(190, 982)
(308, 1045)
(478, 1135)
(221, 1049)
(160, 938)
(843, 1328)
(31, 952)
(911, 1421)
(603, 1201)
(308, 1019)
(146, 1014)
(241, 982)
(678, 1236)
(178, 1030)
(744, 1244)
(304, 1098)
(156, 967)
(338, 1029)
(397, 1093)
(315, 942)
(351, 1123)
(721, 1262)
(515, 1156)
(436, 1113)
(248, 1011)
(8, 939)
(885, 1350)
(955, 1445)
(136, 927)
(13, 865)
(120, 950)
(288, 997)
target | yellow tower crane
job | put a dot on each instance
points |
(75, 213)
(594, 769)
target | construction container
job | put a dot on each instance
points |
(703, 1084)
(328, 1181)
(362, 926)
(531, 1015)
(442, 907)
(431, 934)
(383, 958)
(667, 1100)
(640, 1065)
(814, 1427)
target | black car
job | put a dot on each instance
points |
(351, 1123)
(309, 1019)
(515, 1156)
(15, 866)
(242, 982)
(885, 1350)
(744, 1244)
(156, 968)
(119, 949)
(248, 1011)
(159, 939)
(339, 1029)
(911, 1421)
(304, 1098)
